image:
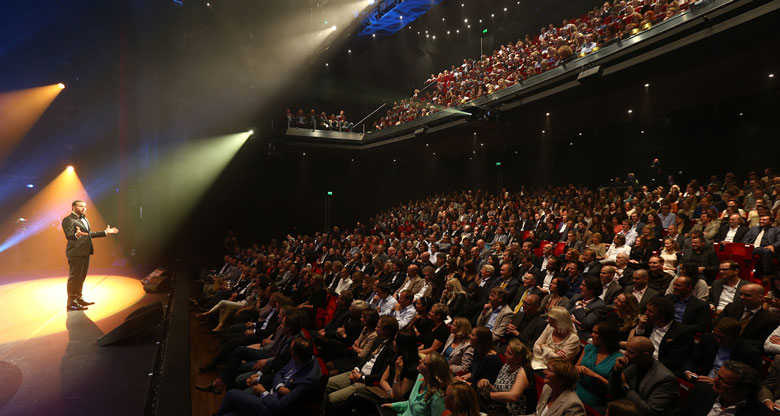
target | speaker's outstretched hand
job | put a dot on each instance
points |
(111, 230)
(80, 233)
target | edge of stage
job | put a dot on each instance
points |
(50, 362)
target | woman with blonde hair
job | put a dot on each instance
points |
(558, 340)
(626, 315)
(458, 349)
(514, 391)
(427, 395)
(454, 297)
(558, 397)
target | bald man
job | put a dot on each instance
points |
(644, 381)
(757, 323)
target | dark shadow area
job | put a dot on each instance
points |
(10, 380)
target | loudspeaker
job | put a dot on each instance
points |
(138, 322)
(157, 281)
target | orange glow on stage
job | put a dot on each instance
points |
(19, 110)
(45, 242)
(35, 308)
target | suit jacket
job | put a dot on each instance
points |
(702, 398)
(414, 286)
(461, 356)
(703, 356)
(567, 404)
(675, 346)
(301, 383)
(707, 259)
(771, 236)
(655, 394)
(717, 289)
(611, 291)
(649, 294)
(505, 314)
(758, 328)
(594, 269)
(528, 327)
(738, 237)
(79, 246)
(594, 312)
(697, 313)
(383, 358)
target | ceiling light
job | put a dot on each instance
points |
(647, 85)
(771, 75)
(630, 111)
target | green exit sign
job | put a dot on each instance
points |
(330, 193)
(498, 163)
(484, 31)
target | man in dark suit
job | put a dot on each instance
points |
(732, 392)
(592, 267)
(688, 309)
(726, 289)
(766, 242)
(611, 288)
(641, 379)
(640, 290)
(723, 343)
(527, 325)
(79, 235)
(756, 322)
(703, 257)
(290, 386)
(527, 289)
(587, 309)
(672, 341)
(369, 371)
(733, 231)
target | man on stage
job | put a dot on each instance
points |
(79, 248)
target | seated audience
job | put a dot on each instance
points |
(514, 391)
(458, 349)
(296, 380)
(672, 341)
(496, 314)
(595, 365)
(558, 397)
(427, 395)
(643, 380)
(722, 344)
(587, 308)
(558, 340)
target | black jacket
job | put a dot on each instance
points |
(79, 246)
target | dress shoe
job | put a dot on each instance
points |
(73, 306)
(83, 302)
(209, 388)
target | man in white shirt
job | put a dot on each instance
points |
(404, 310)
(385, 300)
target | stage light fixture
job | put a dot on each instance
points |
(630, 111)
(468, 26)
(442, 19)
(465, 20)
(504, 8)
(401, 17)
(434, 36)
(251, 131)
(326, 64)
(647, 85)
(457, 30)
(492, 15)
(29, 185)
(374, 35)
(771, 75)
(61, 85)
(544, 131)
(304, 153)
(349, 50)
(741, 114)
(448, 32)
(70, 169)
(333, 28)
(547, 114)
(580, 134)
(642, 132)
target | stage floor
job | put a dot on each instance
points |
(50, 363)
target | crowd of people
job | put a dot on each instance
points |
(532, 55)
(551, 301)
(312, 121)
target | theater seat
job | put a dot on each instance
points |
(559, 248)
